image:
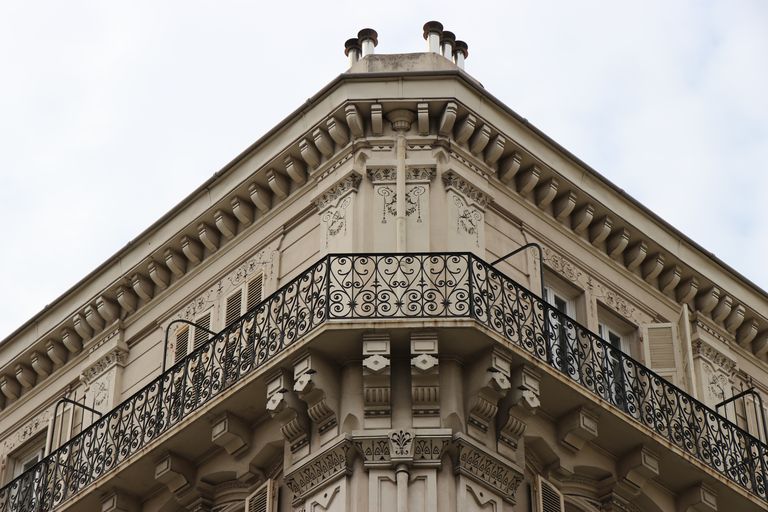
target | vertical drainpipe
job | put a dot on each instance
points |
(432, 32)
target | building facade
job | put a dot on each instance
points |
(335, 322)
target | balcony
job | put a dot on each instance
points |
(379, 287)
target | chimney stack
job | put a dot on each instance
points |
(368, 40)
(447, 41)
(460, 53)
(432, 32)
(352, 50)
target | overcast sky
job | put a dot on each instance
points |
(112, 112)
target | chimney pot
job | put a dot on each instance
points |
(460, 53)
(432, 32)
(352, 50)
(369, 39)
(447, 41)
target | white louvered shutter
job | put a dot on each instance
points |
(201, 332)
(255, 291)
(181, 346)
(264, 499)
(547, 497)
(688, 372)
(234, 307)
(662, 352)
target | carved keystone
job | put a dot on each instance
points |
(316, 382)
(425, 376)
(577, 427)
(284, 406)
(116, 501)
(699, 498)
(231, 433)
(376, 381)
(175, 472)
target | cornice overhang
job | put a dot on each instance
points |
(296, 162)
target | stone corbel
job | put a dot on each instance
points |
(600, 229)
(746, 333)
(159, 275)
(522, 400)
(295, 168)
(225, 223)
(316, 382)
(10, 387)
(582, 218)
(686, 291)
(338, 132)
(707, 299)
(242, 210)
(209, 236)
(231, 433)
(494, 150)
(83, 330)
(633, 471)
(635, 255)
(377, 120)
(564, 205)
(192, 249)
(576, 428)
(108, 309)
(260, 197)
(175, 472)
(175, 261)
(56, 352)
(117, 501)
(71, 340)
(26, 377)
(447, 119)
(354, 121)
(528, 179)
(376, 381)
(127, 299)
(698, 498)
(285, 407)
(480, 140)
(465, 129)
(736, 317)
(142, 286)
(723, 309)
(546, 192)
(488, 383)
(425, 376)
(323, 142)
(41, 364)
(669, 279)
(94, 319)
(509, 167)
(617, 242)
(653, 266)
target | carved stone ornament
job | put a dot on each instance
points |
(475, 463)
(117, 356)
(420, 174)
(421, 447)
(714, 356)
(23, 434)
(382, 174)
(469, 165)
(462, 187)
(321, 469)
(562, 266)
(347, 184)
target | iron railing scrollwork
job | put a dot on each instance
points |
(380, 287)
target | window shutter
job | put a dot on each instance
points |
(255, 291)
(201, 335)
(264, 499)
(547, 497)
(684, 337)
(181, 347)
(234, 307)
(662, 351)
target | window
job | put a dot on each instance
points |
(564, 350)
(28, 455)
(617, 375)
(198, 334)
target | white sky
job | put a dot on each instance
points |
(112, 112)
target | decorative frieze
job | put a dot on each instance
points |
(474, 462)
(388, 448)
(334, 462)
(453, 181)
(348, 183)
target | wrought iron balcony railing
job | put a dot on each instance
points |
(388, 286)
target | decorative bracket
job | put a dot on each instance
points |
(316, 382)
(425, 375)
(376, 381)
(284, 406)
(489, 381)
